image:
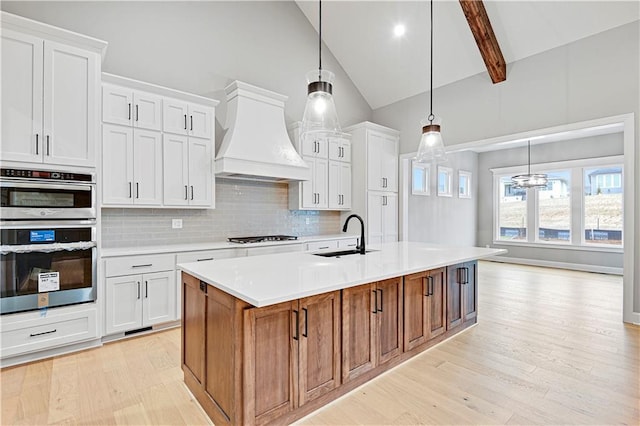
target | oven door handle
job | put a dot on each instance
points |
(46, 185)
(47, 248)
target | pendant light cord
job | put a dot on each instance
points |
(431, 116)
(320, 40)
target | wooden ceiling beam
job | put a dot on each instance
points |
(480, 25)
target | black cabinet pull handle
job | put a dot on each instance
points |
(297, 336)
(138, 289)
(129, 189)
(192, 192)
(136, 112)
(381, 300)
(48, 145)
(203, 286)
(306, 320)
(146, 289)
(206, 258)
(466, 275)
(186, 192)
(146, 265)
(375, 304)
(137, 190)
(44, 332)
(185, 121)
(191, 116)
(129, 116)
(430, 285)
(37, 143)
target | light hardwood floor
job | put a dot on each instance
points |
(549, 348)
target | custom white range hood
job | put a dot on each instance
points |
(256, 145)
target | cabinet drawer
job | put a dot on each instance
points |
(348, 243)
(128, 265)
(322, 245)
(200, 256)
(43, 333)
(286, 248)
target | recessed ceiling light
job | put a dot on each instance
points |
(399, 30)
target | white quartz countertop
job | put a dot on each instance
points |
(214, 245)
(269, 279)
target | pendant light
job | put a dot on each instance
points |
(431, 147)
(320, 117)
(529, 180)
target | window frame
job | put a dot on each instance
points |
(448, 190)
(426, 167)
(577, 203)
(468, 175)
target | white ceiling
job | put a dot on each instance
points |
(387, 69)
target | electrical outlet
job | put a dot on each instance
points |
(176, 223)
(306, 220)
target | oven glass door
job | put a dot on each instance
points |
(59, 262)
(28, 200)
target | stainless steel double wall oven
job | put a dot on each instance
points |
(48, 242)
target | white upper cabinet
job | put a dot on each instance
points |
(187, 171)
(121, 105)
(314, 147)
(184, 118)
(339, 185)
(340, 149)
(50, 95)
(382, 161)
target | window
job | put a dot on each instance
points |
(444, 181)
(603, 205)
(512, 211)
(464, 184)
(420, 178)
(581, 205)
(554, 208)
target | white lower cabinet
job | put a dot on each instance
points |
(382, 217)
(142, 299)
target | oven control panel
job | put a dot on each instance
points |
(45, 175)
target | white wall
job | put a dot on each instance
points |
(200, 47)
(591, 78)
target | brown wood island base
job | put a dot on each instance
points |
(276, 364)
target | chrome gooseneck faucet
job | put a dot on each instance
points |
(361, 247)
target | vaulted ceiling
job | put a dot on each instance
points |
(386, 69)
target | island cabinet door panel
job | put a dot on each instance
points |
(193, 327)
(436, 302)
(319, 347)
(358, 331)
(470, 291)
(390, 319)
(270, 362)
(454, 296)
(416, 295)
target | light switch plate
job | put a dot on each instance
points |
(176, 223)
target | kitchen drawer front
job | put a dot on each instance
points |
(203, 255)
(286, 248)
(48, 332)
(348, 243)
(322, 245)
(128, 265)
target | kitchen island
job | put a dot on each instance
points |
(271, 338)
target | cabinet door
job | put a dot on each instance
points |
(375, 148)
(175, 116)
(147, 167)
(314, 146)
(159, 302)
(321, 182)
(470, 291)
(319, 365)
(374, 218)
(175, 169)
(454, 296)
(345, 186)
(71, 87)
(436, 303)
(415, 294)
(390, 321)
(199, 171)
(339, 149)
(200, 121)
(21, 82)
(147, 111)
(390, 217)
(339, 185)
(117, 165)
(123, 303)
(117, 104)
(389, 163)
(194, 317)
(358, 331)
(270, 361)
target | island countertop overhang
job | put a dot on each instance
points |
(269, 279)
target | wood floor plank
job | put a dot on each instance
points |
(549, 348)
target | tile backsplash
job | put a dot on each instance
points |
(243, 208)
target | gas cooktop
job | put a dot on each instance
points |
(260, 239)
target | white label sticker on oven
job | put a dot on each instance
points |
(48, 281)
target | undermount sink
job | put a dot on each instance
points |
(340, 253)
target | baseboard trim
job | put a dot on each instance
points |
(559, 265)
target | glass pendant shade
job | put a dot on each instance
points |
(431, 148)
(320, 114)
